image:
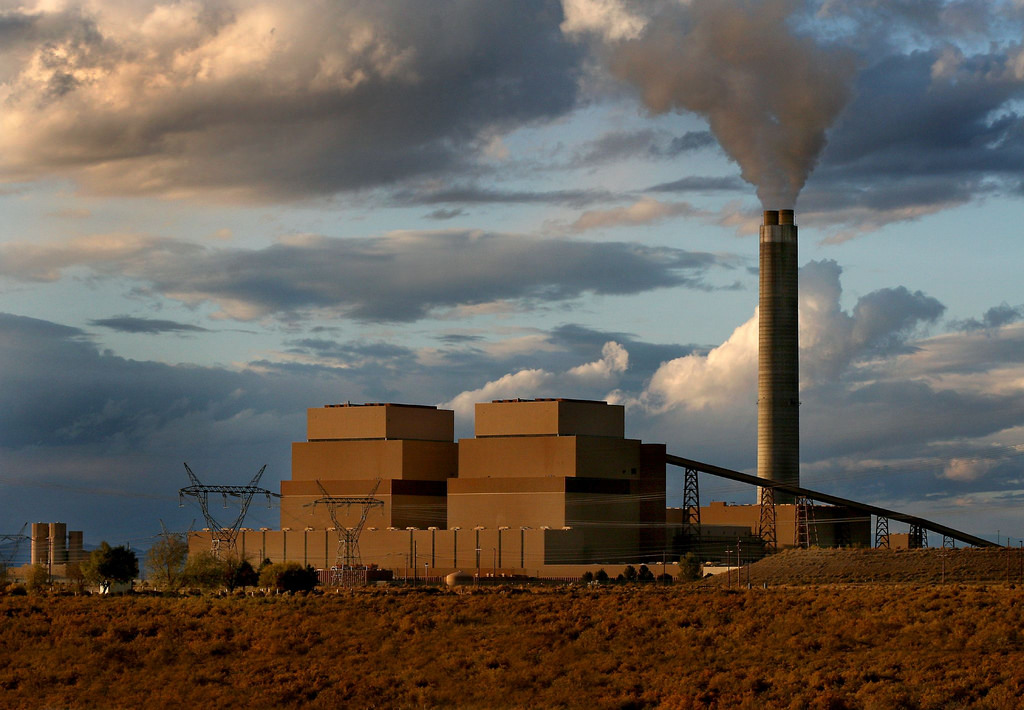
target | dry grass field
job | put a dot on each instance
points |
(831, 646)
(854, 566)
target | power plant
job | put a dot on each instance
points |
(548, 485)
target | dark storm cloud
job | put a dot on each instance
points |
(258, 98)
(928, 129)
(128, 324)
(404, 276)
(82, 430)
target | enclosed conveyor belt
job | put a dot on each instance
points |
(828, 498)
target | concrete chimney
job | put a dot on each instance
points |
(778, 374)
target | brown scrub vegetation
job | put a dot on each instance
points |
(834, 646)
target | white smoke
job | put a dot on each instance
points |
(768, 93)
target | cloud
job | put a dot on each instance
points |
(699, 184)
(403, 276)
(993, 318)
(261, 100)
(644, 211)
(151, 326)
(610, 19)
(645, 143)
(614, 360)
(587, 381)
(473, 195)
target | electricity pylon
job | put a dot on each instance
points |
(223, 537)
(347, 556)
(7, 556)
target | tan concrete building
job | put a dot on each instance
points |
(544, 482)
(828, 525)
(542, 485)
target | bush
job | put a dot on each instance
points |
(205, 571)
(587, 577)
(166, 561)
(645, 575)
(601, 577)
(288, 577)
(239, 573)
(37, 578)
(689, 567)
(630, 573)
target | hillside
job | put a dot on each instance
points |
(616, 647)
(814, 566)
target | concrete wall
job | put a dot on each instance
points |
(549, 417)
(535, 456)
(380, 421)
(406, 503)
(362, 460)
(509, 551)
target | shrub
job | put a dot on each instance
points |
(689, 567)
(644, 574)
(587, 577)
(288, 577)
(204, 570)
(37, 578)
(601, 577)
(166, 561)
(630, 573)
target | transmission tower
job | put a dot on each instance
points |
(223, 537)
(347, 557)
(805, 531)
(766, 528)
(9, 544)
(691, 510)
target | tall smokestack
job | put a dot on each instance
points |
(778, 416)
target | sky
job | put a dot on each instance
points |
(217, 214)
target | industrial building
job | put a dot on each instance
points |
(544, 486)
(53, 545)
(550, 482)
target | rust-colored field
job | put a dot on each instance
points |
(626, 647)
(859, 566)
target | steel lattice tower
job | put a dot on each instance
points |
(918, 537)
(347, 558)
(691, 509)
(7, 557)
(223, 537)
(881, 532)
(767, 527)
(805, 532)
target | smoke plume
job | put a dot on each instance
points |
(769, 94)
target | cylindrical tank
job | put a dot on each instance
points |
(459, 579)
(40, 544)
(58, 543)
(778, 374)
(75, 551)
